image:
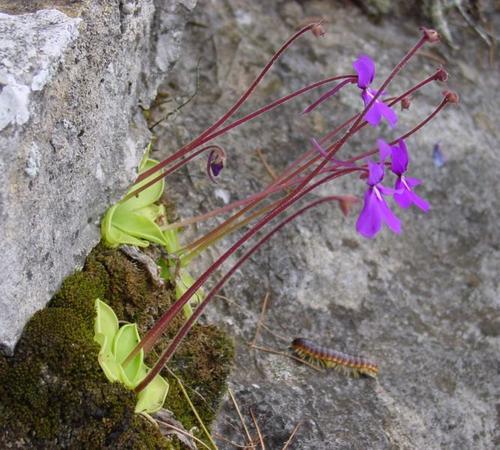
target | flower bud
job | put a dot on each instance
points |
(451, 97)
(430, 34)
(405, 102)
(441, 75)
(346, 202)
(318, 30)
(216, 161)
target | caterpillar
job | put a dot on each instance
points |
(326, 357)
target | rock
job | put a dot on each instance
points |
(424, 305)
(72, 80)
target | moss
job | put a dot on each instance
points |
(202, 363)
(53, 393)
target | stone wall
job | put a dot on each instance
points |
(424, 305)
(72, 81)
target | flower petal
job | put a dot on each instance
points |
(403, 199)
(389, 218)
(386, 190)
(412, 182)
(400, 158)
(365, 68)
(216, 168)
(385, 150)
(375, 173)
(387, 113)
(406, 197)
(215, 162)
(419, 202)
(369, 221)
(373, 115)
(401, 196)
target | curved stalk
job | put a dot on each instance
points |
(183, 150)
(155, 332)
(167, 354)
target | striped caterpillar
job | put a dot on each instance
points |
(326, 357)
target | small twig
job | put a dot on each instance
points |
(481, 33)
(287, 443)
(190, 98)
(185, 433)
(266, 165)
(492, 49)
(194, 391)
(249, 314)
(279, 336)
(261, 439)
(239, 415)
(261, 318)
(277, 352)
(195, 412)
(432, 56)
(223, 439)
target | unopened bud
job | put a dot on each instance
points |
(441, 74)
(346, 202)
(451, 97)
(318, 30)
(430, 34)
(405, 102)
(216, 161)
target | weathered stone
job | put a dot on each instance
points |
(424, 305)
(70, 132)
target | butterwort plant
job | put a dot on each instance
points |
(258, 217)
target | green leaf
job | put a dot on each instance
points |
(112, 236)
(171, 240)
(105, 329)
(146, 158)
(152, 212)
(149, 195)
(152, 397)
(138, 226)
(164, 269)
(106, 359)
(183, 283)
(105, 325)
(125, 341)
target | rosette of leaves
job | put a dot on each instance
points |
(116, 343)
(135, 221)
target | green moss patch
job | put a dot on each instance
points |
(53, 393)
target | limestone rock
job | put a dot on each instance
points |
(425, 305)
(71, 83)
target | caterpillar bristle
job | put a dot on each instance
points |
(329, 358)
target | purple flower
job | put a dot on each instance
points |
(365, 68)
(215, 162)
(404, 195)
(437, 156)
(375, 211)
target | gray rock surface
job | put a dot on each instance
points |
(71, 83)
(425, 305)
